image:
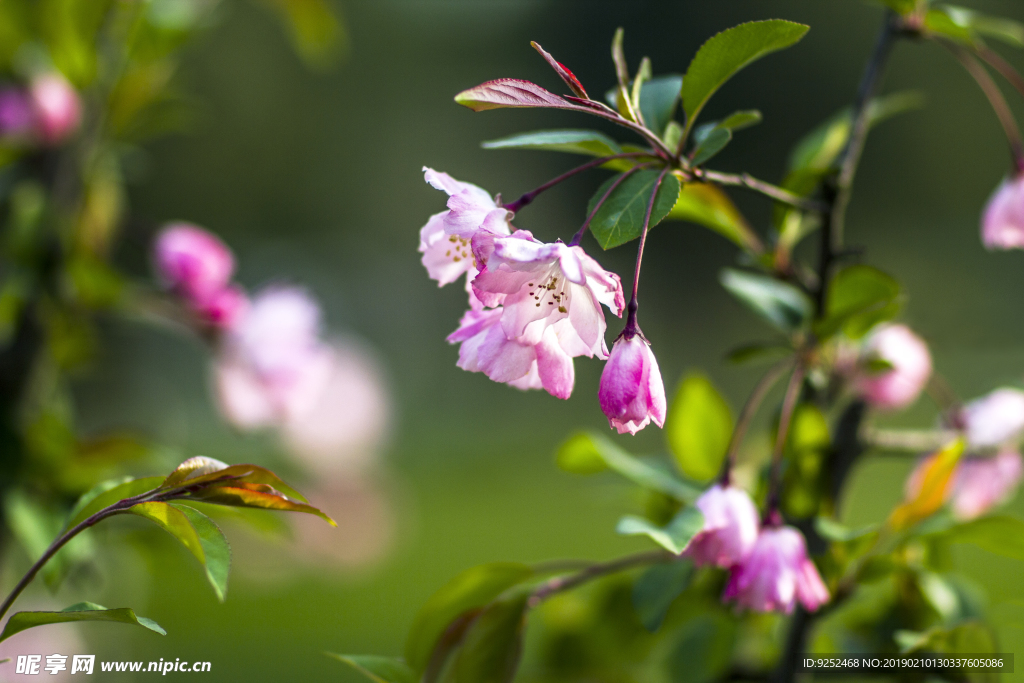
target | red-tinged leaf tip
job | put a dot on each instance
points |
(511, 92)
(563, 71)
(193, 468)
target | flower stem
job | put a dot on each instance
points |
(560, 584)
(586, 224)
(632, 329)
(775, 192)
(995, 98)
(785, 419)
(749, 411)
(531, 195)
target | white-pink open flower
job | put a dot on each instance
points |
(485, 348)
(273, 365)
(446, 239)
(730, 527)
(1002, 224)
(541, 284)
(632, 393)
(776, 574)
(911, 363)
(57, 107)
(981, 483)
(994, 418)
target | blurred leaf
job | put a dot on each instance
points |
(35, 526)
(587, 142)
(712, 138)
(938, 22)
(96, 283)
(674, 537)
(780, 303)
(832, 530)
(658, 99)
(621, 218)
(859, 298)
(934, 481)
(757, 352)
(711, 207)
(70, 30)
(657, 588)
(728, 52)
(379, 669)
(107, 493)
(82, 611)
(699, 428)
(903, 7)
(493, 643)
(316, 29)
(198, 534)
(1007, 30)
(971, 637)
(471, 589)
(807, 448)
(703, 650)
(588, 453)
(1000, 535)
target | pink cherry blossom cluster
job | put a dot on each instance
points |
(534, 306)
(769, 570)
(910, 367)
(273, 367)
(48, 111)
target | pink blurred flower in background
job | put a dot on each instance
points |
(17, 119)
(994, 418)
(1002, 223)
(198, 266)
(900, 385)
(776, 574)
(981, 483)
(730, 527)
(57, 107)
(632, 393)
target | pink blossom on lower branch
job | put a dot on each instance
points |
(730, 527)
(776, 574)
(981, 483)
(1002, 224)
(632, 393)
(994, 418)
(542, 284)
(911, 367)
(57, 107)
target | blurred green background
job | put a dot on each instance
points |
(315, 178)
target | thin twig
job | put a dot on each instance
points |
(528, 197)
(597, 207)
(796, 381)
(775, 192)
(911, 440)
(749, 410)
(595, 571)
(1005, 69)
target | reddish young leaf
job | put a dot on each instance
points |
(563, 72)
(511, 92)
(232, 475)
(255, 496)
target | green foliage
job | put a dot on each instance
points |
(674, 537)
(998, 534)
(807, 449)
(656, 589)
(969, 27)
(379, 669)
(106, 494)
(712, 138)
(658, 99)
(470, 590)
(728, 52)
(784, 306)
(621, 217)
(698, 428)
(493, 643)
(859, 298)
(588, 453)
(903, 7)
(709, 206)
(588, 142)
(316, 29)
(83, 611)
(703, 650)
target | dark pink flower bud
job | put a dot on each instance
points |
(225, 308)
(632, 392)
(57, 107)
(194, 263)
(776, 574)
(730, 527)
(911, 363)
(17, 119)
(1002, 224)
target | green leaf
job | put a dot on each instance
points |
(698, 428)
(83, 611)
(378, 669)
(728, 52)
(903, 7)
(658, 99)
(965, 26)
(315, 28)
(587, 142)
(108, 493)
(197, 533)
(261, 496)
(711, 207)
(999, 534)
(758, 351)
(471, 589)
(711, 144)
(939, 22)
(674, 537)
(859, 298)
(493, 643)
(657, 588)
(703, 650)
(587, 453)
(780, 303)
(621, 218)
(832, 530)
